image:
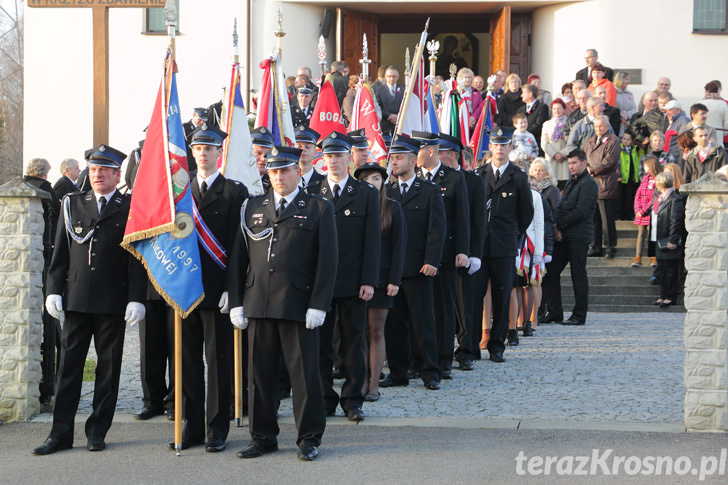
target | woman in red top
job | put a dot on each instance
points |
(598, 78)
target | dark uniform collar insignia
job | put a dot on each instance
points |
(301, 203)
(349, 188)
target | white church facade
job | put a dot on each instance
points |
(681, 39)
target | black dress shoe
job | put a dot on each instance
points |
(527, 329)
(595, 253)
(215, 446)
(307, 453)
(413, 374)
(389, 382)
(512, 338)
(257, 448)
(446, 374)
(551, 318)
(148, 412)
(467, 364)
(50, 446)
(611, 252)
(572, 321)
(355, 414)
(185, 444)
(95, 444)
(497, 357)
(432, 385)
(665, 303)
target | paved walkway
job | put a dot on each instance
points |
(623, 368)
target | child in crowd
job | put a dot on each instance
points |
(630, 172)
(525, 147)
(643, 207)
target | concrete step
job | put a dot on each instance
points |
(600, 308)
(643, 300)
(625, 268)
(617, 281)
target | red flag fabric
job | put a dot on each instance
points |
(365, 116)
(152, 210)
(326, 116)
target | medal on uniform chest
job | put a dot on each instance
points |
(347, 212)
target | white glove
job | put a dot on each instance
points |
(547, 259)
(474, 265)
(237, 317)
(223, 304)
(314, 318)
(135, 312)
(537, 258)
(54, 306)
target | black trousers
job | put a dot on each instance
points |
(627, 192)
(411, 320)
(670, 278)
(445, 310)
(604, 223)
(268, 340)
(210, 332)
(574, 254)
(501, 273)
(156, 344)
(481, 288)
(349, 317)
(108, 334)
(464, 311)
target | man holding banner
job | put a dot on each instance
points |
(218, 200)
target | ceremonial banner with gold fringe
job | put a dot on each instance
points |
(160, 231)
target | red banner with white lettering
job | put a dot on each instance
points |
(365, 116)
(326, 116)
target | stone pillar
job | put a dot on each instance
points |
(21, 299)
(706, 301)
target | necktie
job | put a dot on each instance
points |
(281, 207)
(429, 176)
(497, 176)
(404, 189)
(103, 204)
(203, 188)
(337, 190)
(301, 183)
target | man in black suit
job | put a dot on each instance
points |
(218, 200)
(199, 116)
(591, 57)
(282, 274)
(95, 285)
(302, 111)
(574, 228)
(132, 166)
(262, 141)
(467, 349)
(411, 322)
(340, 82)
(67, 183)
(389, 96)
(536, 112)
(454, 191)
(510, 210)
(306, 140)
(358, 227)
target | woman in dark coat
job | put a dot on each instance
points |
(394, 242)
(670, 211)
(509, 102)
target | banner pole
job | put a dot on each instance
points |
(177, 382)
